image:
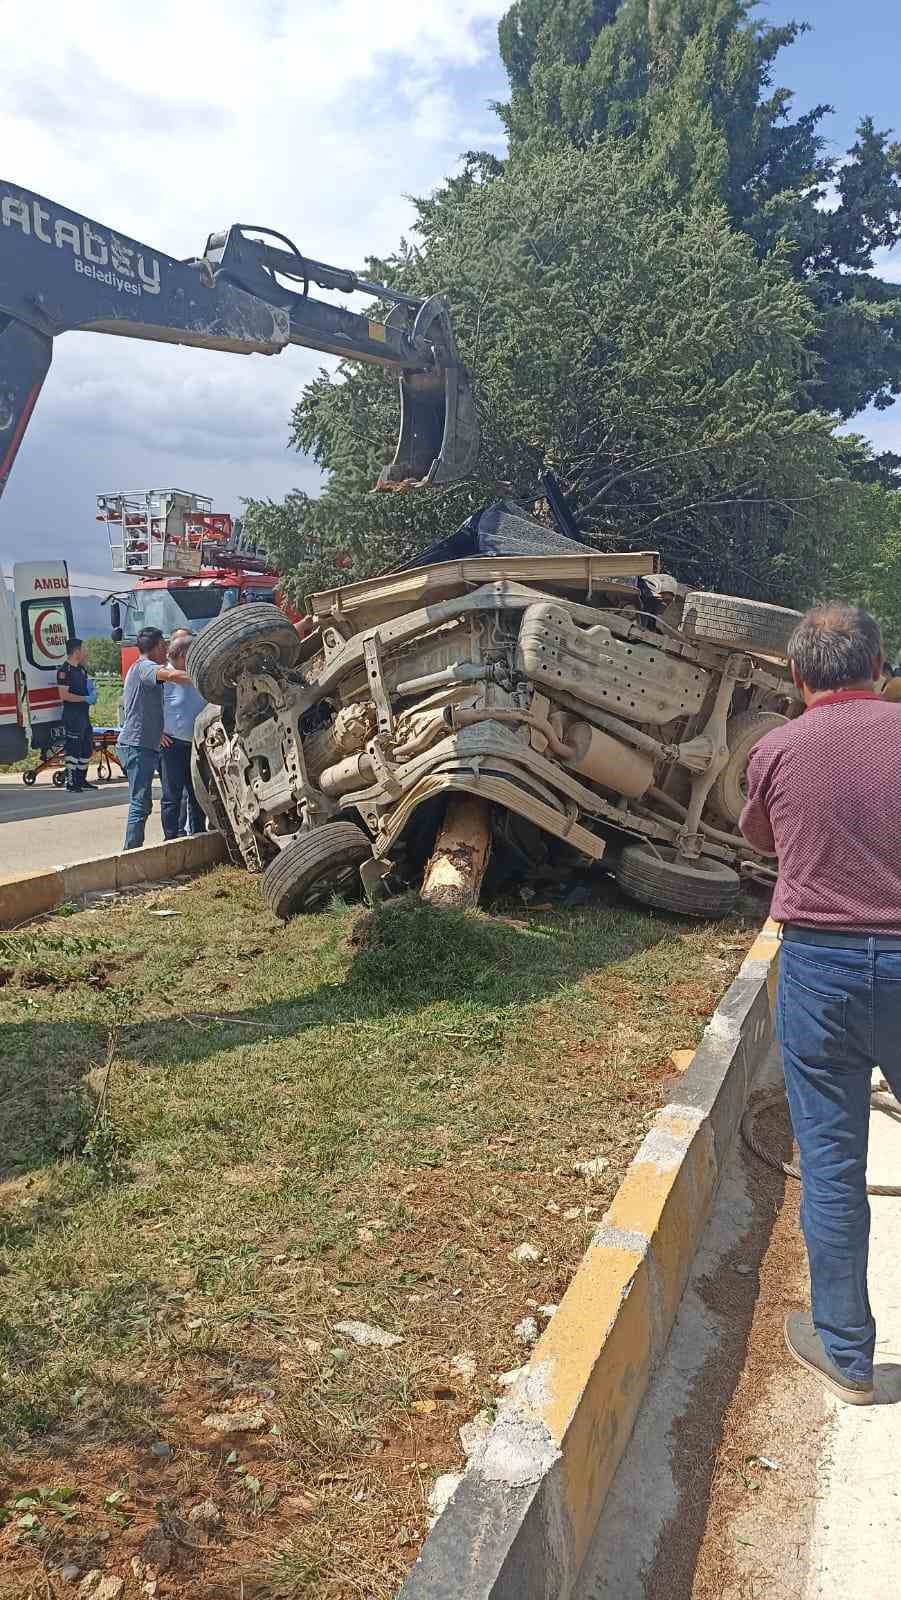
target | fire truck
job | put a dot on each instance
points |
(190, 561)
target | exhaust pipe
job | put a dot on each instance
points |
(354, 772)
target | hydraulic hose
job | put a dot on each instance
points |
(879, 1100)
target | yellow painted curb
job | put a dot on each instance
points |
(595, 1356)
(681, 1060)
(767, 947)
(519, 1524)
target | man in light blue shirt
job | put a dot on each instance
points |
(179, 809)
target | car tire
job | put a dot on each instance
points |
(736, 624)
(729, 793)
(703, 888)
(309, 871)
(248, 635)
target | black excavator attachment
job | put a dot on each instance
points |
(60, 271)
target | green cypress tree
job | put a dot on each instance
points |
(694, 80)
(638, 345)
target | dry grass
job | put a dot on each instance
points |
(219, 1138)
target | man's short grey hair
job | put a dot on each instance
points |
(835, 645)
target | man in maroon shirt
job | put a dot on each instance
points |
(824, 796)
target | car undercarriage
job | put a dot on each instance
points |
(521, 711)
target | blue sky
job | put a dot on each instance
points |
(297, 120)
(849, 59)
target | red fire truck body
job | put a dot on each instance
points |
(189, 561)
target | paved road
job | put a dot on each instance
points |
(46, 827)
(854, 1540)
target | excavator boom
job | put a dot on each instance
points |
(60, 271)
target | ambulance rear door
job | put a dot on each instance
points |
(44, 621)
(13, 738)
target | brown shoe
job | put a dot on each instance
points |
(805, 1344)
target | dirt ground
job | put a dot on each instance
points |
(222, 1141)
(805, 1491)
(748, 1449)
(760, 1514)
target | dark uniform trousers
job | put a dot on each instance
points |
(79, 744)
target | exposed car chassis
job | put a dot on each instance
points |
(557, 703)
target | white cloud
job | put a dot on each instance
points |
(882, 428)
(887, 265)
(169, 121)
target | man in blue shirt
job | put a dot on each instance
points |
(181, 707)
(138, 747)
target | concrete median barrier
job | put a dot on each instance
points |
(519, 1524)
(30, 894)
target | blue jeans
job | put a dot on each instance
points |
(139, 765)
(178, 808)
(838, 1017)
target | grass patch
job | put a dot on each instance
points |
(219, 1138)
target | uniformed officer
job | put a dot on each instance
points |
(74, 692)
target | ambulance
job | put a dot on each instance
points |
(35, 621)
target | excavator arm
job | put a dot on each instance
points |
(248, 293)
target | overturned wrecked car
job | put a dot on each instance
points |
(514, 702)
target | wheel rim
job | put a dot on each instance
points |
(249, 661)
(766, 722)
(333, 880)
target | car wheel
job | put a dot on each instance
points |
(309, 871)
(660, 878)
(730, 789)
(248, 636)
(750, 625)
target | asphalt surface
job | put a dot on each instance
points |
(854, 1541)
(45, 827)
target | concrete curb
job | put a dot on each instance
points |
(28, 894)
(519, 1524)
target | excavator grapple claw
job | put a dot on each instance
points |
(60, 271)
(439, 428)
